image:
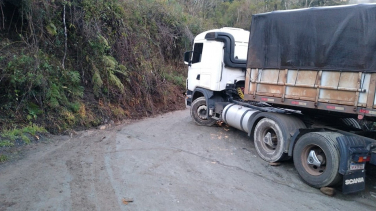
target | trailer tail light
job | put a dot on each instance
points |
(364, 159)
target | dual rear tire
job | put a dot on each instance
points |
(322, 147)
(269, 140)
(271, 135)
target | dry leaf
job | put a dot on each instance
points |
(126, 200)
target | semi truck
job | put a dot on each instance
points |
(301, 83)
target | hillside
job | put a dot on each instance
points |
(80, 63)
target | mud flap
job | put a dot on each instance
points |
(373, 158)
(354, 182)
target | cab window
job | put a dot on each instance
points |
(197, 53)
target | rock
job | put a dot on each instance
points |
(72, 133)
(328, 191)
(274, 164)
(102, 127)
(373, 194)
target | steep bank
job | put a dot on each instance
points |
(73, 63)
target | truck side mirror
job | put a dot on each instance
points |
(187, 58)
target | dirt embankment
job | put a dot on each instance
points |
(84, 63)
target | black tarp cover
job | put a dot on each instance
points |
(321, 38)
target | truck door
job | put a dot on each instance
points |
(194, 71)
(211, 65)
(206, 65)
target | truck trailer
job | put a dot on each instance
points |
(301, 83)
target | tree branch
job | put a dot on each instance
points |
(66, 38)
(2, 14)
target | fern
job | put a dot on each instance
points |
(97, 81)
(110, 62)
(53, 102)
(77, 91)
(51, 29)
(53, 95)
(104, 42)
(114, 80)
(74, 77)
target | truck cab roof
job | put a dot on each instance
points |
(240, 35)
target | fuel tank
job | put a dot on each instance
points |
(238, 116)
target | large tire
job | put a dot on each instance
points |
(325, 148)
(272, 134)
(351, 122)
(272, 151)
(199, 110)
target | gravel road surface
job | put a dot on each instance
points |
(161, 163)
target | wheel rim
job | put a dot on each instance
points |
(201, 112)
(314, 160)
(270, 140)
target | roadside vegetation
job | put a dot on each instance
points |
(25, 134)
(80, 63)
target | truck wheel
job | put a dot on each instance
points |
(316, 158)
(269, 140)
(199, 110)
(351, 122)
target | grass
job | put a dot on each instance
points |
(6, 143)
(8, 137)
(3, 158)
(176, 79)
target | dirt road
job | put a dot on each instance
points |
(162, 163)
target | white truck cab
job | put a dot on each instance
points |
(218, 57)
